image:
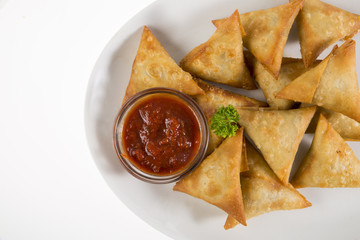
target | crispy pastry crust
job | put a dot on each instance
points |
(338, 89)
(153, 67)
(348, 128)
(277, 134)
(291, 68)
(303, 88)
(329, 163)
(263, 191)
(221, 58)
(320, 25)
(266, 33)
(217, 179)
(213, 99)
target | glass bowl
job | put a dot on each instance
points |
(122, 152)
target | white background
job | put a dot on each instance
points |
(50, 187)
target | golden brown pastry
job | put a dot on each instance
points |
(303, 88)
(244, 163)
(217, 179)
(338, 88)
(153, 67)
(291, 68)
(266, 32)
(221, 58)
(263, 191)
(321, 25)
(213, 99)
(348, 128)
(329, 163)
(277, 134)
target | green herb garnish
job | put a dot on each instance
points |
(225, 121)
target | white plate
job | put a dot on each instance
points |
(180, 26)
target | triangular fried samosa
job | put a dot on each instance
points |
(266, 33)
(303, 88)
(329, 163)
(321, 25)
(263, 192)
(338, 88)
(153, 67)
(217, 179)
(277, 134)
(221, 58)
(291, 68)
(213, 99)
(348, 128)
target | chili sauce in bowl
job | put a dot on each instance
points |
(160, 135)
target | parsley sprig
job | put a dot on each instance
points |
(225, 121)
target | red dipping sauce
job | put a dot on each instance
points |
(161, 134)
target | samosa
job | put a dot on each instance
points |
(266, 32)
(217, 179)
(153, 67)
(277, 134)
(336, 90)
(348, 128)
(302, 89)
(262, 190)
(221, 58)
(213, 99)
(330, 161)
(291, 68)
(320, 25)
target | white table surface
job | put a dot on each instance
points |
(50, 187)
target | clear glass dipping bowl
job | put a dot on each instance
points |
(120, 149)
